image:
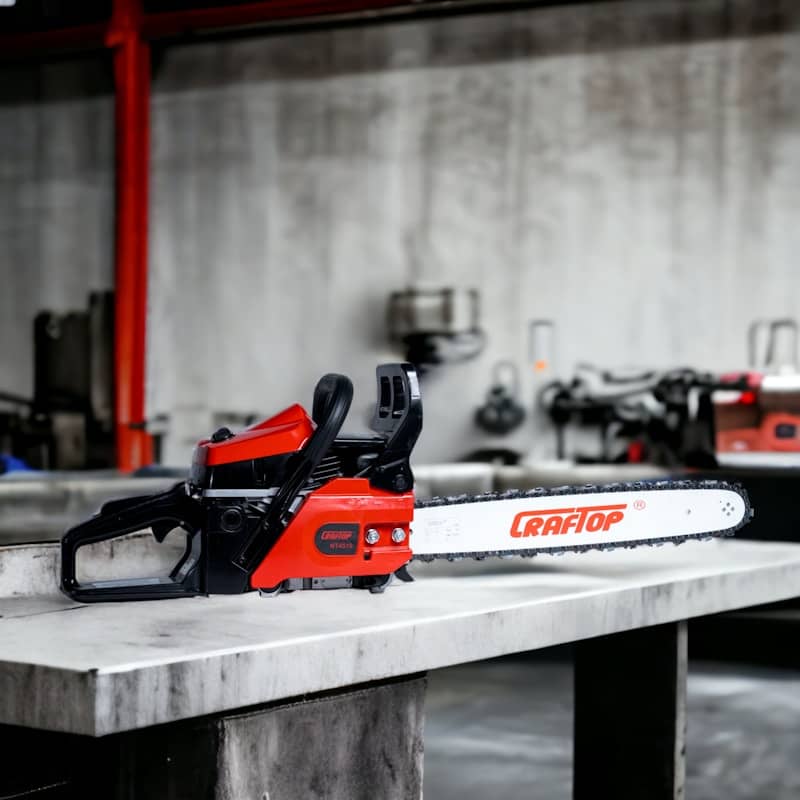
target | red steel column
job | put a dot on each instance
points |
(132, 80)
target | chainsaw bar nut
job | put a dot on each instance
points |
(398, 535)
(372, 536)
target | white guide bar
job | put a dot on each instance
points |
(574, 520)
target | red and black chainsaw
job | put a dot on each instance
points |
(290, 503)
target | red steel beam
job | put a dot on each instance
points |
(132, 116)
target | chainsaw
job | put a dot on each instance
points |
(290, 503)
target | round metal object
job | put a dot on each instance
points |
(231, 520)
(372, 536)
(398, 535)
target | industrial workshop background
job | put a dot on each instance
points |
(567, 230)
(627, 172)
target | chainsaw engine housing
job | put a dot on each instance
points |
(285, 504)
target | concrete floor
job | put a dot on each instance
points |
(503, 730)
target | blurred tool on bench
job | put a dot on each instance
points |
(763, 416)
(68, 423)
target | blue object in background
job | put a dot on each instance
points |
(13, 464)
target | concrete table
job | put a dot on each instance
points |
(321, 694)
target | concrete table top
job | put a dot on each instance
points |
(105, 668)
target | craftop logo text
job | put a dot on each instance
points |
(556, 521)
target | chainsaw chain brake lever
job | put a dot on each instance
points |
(161, 513)
(398, 418)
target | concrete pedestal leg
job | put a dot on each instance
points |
(356, 744)
(630, 715)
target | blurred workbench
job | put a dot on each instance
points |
(321, 694)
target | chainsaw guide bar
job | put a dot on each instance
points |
(729, 504)
(290, 503)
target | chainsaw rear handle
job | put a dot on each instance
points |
(161, 513)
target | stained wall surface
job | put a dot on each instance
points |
(629, 170)
(56, 199)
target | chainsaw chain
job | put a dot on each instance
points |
(513, 494)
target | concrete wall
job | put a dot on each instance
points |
(630, 170)
(56, 199)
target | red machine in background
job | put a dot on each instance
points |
(764, 416)
(686, 418)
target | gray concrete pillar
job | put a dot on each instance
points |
(357, 745)
(630, 715)
(354, 744)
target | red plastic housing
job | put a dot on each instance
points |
(327, 537)
(772, 423)
(284, 433)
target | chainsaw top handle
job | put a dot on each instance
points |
(332, 398)
(398, 420)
